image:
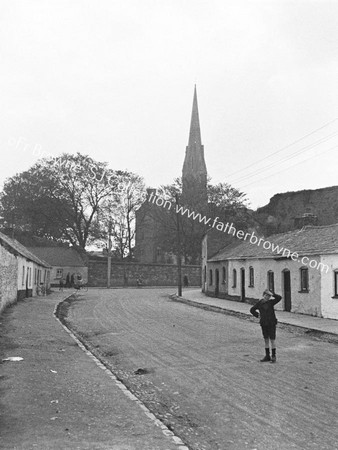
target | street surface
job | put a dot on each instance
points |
(199, 371)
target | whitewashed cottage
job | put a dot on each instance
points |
(306, 275)
(22, 274)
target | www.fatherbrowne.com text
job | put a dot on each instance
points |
(239, 234)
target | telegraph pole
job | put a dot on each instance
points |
(179, 255)
(109, 255)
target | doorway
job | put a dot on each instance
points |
(242, 284)
(27, 290)
(287, 290)
(216, 282)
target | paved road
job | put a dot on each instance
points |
(57, 397)
(204, 378)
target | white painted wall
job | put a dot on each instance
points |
(304, 303)
(329, 304)
(36, 274)
(23, 266)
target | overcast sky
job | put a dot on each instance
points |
(115, 79)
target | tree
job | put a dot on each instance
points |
(224, 201)
(59, 198)
(117, 218)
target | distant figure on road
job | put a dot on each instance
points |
(61, 285)
(268, 322)
(68, 280)
(72, 280)
(185, 281)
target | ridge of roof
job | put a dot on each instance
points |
(310, 239)
(59, 256)
(22, 250)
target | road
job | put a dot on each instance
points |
(200, 372)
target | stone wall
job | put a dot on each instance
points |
(283, 209)
(8, 278)
(126, 274)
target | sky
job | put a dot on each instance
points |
(114, 79)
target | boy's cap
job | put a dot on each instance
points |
(267, 292)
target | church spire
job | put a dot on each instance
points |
(195, 130)
(194, 174)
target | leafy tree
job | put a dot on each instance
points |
(117, 215)
(58, 198)
(224, 201)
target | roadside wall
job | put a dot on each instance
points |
(126, 274)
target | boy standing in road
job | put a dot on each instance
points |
(268, 322)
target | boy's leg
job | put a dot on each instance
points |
(273, 345)
(267, 349)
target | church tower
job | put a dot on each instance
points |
(194, 174)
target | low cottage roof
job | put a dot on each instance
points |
(59, 256)
(310, 240)
(16, 248)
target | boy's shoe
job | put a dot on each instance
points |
(266, 358)
(273, 359)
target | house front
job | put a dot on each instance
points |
(303, 268)
(66, 264)
(22, 274)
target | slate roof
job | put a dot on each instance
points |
(310, 240)
(16, 248)
(59, 256)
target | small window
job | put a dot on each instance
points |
(59, 273)
(210, 277)
(336, 283)
(251, 277)
(224, 276)
(234, 278)
(271, 281)
(304, 279)
(23, 275)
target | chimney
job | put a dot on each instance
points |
(305, 220)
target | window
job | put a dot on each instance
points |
(251, 277)
(59, 273)
(271, 281)
(210, 277)
(234, 278)
(224, 276)
(304, 279)
(23, 275)
(336, 283)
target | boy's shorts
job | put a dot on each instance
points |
(269, 331)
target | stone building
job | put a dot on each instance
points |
(152, 220)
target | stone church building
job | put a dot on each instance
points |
(152, 220)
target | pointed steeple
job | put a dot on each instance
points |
(194, 174)
(195, 130)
